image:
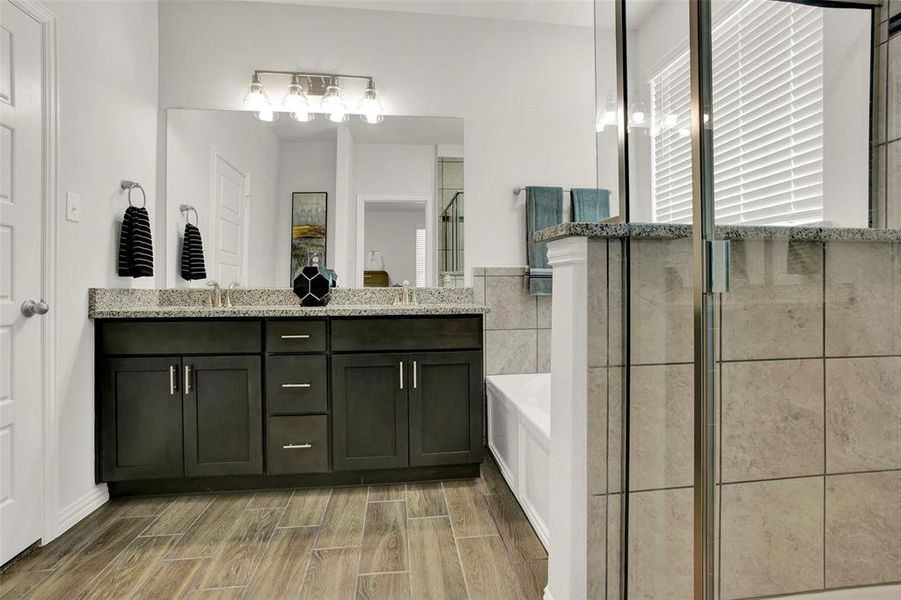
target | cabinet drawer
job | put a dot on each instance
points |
(295, 336)
(406, 333)
(181, 337)
(298, 445)
(296, 384)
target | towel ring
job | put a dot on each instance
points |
(187, 208)
(130, 185)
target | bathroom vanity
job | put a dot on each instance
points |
(286, 396)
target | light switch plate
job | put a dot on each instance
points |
(73, 207)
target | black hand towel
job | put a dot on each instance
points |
(192, 265)
(135, 244)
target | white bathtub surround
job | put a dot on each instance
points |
(568, 502)
(518, 328)
(519, 429)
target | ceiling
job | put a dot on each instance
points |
(580, 13)
(429, 131)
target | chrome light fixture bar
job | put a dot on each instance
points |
(303, 84)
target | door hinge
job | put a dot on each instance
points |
(719, 255)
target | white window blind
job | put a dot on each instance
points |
(768, 120)
(420, 257)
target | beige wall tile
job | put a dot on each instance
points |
(661, 452)
(511, 351)
(512, 307)
(863, 298)
(863, 414)
(597, 431)
(660, 544)
(478, 289)
(597, 547)
(772, 419)
(661, 292)
(614, 552)
(544, 312)
(615, 302)
(544, 350)
(893, 182)
(597, 303)
(863, 529)
(775, 306)
(772, 537)
(614, 428)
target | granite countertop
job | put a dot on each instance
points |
(192, 303)
(668, 231)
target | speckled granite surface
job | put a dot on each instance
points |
(123, 303)
(667, 231)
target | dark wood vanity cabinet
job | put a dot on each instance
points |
(141, 418)
(222, 403)
(324, 400)
(369, 411)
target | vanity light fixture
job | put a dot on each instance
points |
(296, 102)
(328, 88)
(333, 103)
(370, 107)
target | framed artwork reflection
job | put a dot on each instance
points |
(309, 214)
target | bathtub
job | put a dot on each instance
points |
(519, 432)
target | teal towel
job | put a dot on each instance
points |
(544, 208)
(590, 205)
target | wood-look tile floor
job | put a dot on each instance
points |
(442, 541)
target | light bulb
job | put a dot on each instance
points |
(333, 103)
(256, 98)
(268, 115)
(609, 117)
(296, 103)
(684, 132)
(639, 113)
(671, 120)
(370, 108)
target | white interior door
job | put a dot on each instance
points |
(230, 192)
(21, 375)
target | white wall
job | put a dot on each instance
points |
(107, 131)
(304, 167)
(395, 169)
(525, 90)
(248, 145)
(394, 233)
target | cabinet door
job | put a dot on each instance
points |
(369, 411)
(140, 418)
(223, 415)
(445, 408)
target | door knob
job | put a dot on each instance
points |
(31, 308)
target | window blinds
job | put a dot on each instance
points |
(768, 110)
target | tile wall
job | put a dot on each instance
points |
(808, 386)
(518, 328)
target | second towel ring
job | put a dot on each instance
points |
(187, 208)
(130, 185)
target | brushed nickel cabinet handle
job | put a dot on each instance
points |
(295, 385)
(188, 379)
(297, 446)
(172, 383)
(296, 336)
(400, 369)
(414, 375)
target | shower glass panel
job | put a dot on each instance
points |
(808, 418)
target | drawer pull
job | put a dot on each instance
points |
(173, 386)
(296, 336)
(297, 446)
(295, 385)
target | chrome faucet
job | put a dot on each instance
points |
(215, 300)
(227, 302)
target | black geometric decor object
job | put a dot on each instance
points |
(313, 285)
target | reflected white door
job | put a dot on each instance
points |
(230, 191)
(21, 456)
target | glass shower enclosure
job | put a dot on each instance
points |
(753, 392)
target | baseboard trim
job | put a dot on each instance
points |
(81, 508)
